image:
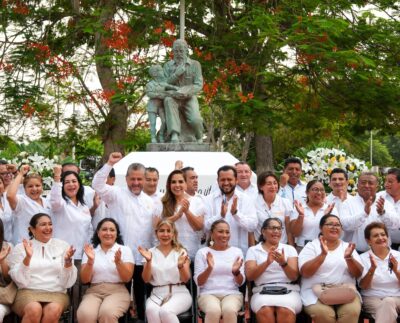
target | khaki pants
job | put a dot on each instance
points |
(215, 306)
(104, 303)
(384, 310)
(346, 313)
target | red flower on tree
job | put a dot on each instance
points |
(119, 35)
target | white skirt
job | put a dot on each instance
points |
(291, 301)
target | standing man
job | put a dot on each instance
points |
(391, 194)
(192, 181)
(338, 182)
(233, 206)
(185, 74)
(244, 180)
(150, 187)
(134, 212)
(365, 208)
(292, 187)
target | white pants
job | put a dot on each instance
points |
(180, 302)
(4, 310)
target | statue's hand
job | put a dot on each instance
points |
(180, 96)
(180, 70)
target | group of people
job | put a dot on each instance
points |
(271, 234)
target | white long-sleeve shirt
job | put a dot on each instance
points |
(394, 234)
(71, 223)
(46, 270)
(243, 222)
(355, 219)
(134, 213)
(6, 217)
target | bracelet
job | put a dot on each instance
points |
(236, 273)
(67, 261)
(284, 264)
(370, 273)
(180, 266)
(348, 258)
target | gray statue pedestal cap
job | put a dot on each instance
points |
(181, 146)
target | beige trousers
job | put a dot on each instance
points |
(215, 306)
(104, 303)
(346, 313)
(384, 310)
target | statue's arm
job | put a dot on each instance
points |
(198, 78)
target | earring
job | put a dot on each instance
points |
(211, 243)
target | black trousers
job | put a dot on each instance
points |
(138, 290)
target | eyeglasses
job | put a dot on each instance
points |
(6, 174)
(333, 225)
(317, 190)
(275, 228)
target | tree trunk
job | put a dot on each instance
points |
(264, 154)
(113, 130)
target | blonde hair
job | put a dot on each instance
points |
(175, 243)
(32, 176)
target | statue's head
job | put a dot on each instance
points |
(180, 49)
(156, 71)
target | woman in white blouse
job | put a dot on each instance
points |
(5, 212)
(269, 264)
(304, 223)
(166, 267)
(42, 269)
(329, 260)
(381, 276)
(72, 219)
(107, 266)
(24, 206)
(270, 205)
(187, 212)
(218, 272)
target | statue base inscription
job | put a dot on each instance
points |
(183, 146)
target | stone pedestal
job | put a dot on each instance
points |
(182, 146)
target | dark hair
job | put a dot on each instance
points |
(394, 171)
(339, 171)
(3, 162)
(325, 218)
(185, 170)
(242, 163)
(374, 225)
(34, 221)
(1, 233)
(151, 170)
(28, 177)
(265, 225)
(213, 225)
(369, 174)
(168, 200)
(81, 191)
(227, 168)
(96, 240)
(261, 178)
(111, 173)
(292, 160)
(70, 164)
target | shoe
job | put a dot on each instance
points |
(174, 138)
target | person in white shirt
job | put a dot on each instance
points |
(380, 280)
(272, 263)
(7, 172)
(166, 267)
(106, 265)
(338, 182)
(270, 205)
(218, 273)
(5, 278)
(391, 194)
(291, 187)
(244, 183)
(150, 186)
(134, 212)
(233, 206)
(185, 211)
(192, 181)
(365, 208)
(329, 260)
(24, 206)
(5, 212)
(304, 223)
(42, 269)
(72, 221)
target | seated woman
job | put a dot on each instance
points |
(304, 224)
(42, 269)
(166, 267)
(381, 276)
(271, 263)
(218, 271)
(329, 260)
(106, 267)
(4, 269)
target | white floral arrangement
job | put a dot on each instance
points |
(39, 164)
(319, 163)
